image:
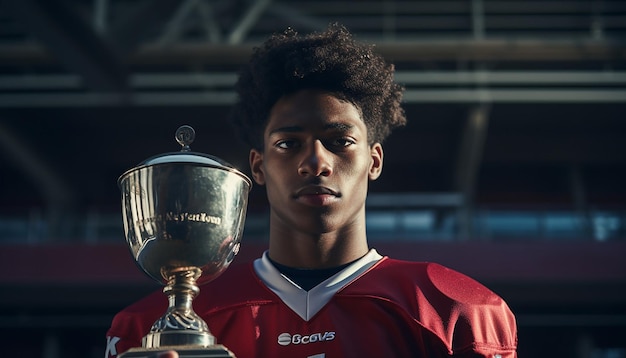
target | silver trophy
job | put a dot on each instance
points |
(183, 215)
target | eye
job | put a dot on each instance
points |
(342, 142)
(286, 143)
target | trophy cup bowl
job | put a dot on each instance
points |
(183, 215)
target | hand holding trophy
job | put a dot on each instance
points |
(183, 215)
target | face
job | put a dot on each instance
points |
(316, 163)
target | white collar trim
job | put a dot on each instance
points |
(307, 303)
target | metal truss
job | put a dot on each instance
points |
(111, 52)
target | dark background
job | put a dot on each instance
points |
(511, 169)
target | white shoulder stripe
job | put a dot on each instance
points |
(307, 304)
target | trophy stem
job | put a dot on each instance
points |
(180, 329)
(180, 326)
(181, 288)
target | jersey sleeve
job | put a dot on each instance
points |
(122, 335)
(475, 321)
(130, 325)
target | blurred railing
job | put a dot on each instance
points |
(498, 224)
(390, 217)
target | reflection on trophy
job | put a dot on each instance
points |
(183, 215)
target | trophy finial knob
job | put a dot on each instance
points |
(185, 136)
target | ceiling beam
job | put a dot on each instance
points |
(468, 163)
(409, 79)
(414, 52)
(72, 42)
(227, 98)
(250, 17)
(59, 196)
(148, 16)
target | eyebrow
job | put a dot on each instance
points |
(288, 129)
(339, 126)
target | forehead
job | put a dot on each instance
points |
(314, 109)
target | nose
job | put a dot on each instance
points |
(316, 160)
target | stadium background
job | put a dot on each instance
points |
(511, 169)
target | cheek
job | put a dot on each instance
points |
(355, 173)
(360, 165)
(273, 178)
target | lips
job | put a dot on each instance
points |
(316, 196)
(315, 190)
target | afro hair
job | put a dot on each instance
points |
(330, 61)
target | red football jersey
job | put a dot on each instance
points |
(375, 307)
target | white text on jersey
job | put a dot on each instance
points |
(285, 339)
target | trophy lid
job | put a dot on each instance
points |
(185, 135)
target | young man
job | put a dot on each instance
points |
(315, 110)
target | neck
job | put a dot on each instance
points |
(314, 251)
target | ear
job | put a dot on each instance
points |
(256, 166)
(376, 168)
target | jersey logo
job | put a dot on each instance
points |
(285, 339)
(111, 351)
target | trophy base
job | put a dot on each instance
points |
(214, 351)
